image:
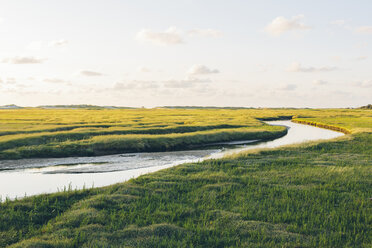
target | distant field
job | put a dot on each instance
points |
(33, 132)
(310, 195)
(83, 132)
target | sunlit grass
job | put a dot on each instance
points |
(86, 132)
(309, 195)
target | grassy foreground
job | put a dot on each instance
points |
(311, 195)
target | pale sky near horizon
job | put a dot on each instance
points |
(186, 52)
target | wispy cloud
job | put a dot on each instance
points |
(23, 60)
(264, 67)
(281, 25)
(205, 32)
(185, 83)
(288, 87)
(297, 67)
(56, 81)
(341, 23)
(11, 80)
(363, 84)
(361, 58)
(364, 30)
(143, 69)
(58, 43)
(320, 82)
(136, 84)
(201, 70)
(91, 73)
(171, 36)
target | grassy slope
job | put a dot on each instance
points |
(313, 195)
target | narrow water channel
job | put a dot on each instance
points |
(35, 176)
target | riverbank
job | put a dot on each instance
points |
(45, 133)
(322, 125)
(118, 144)
(308, 195)
(41, 133)
(78, 172)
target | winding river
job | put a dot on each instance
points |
(35, 176)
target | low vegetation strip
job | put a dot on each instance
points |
(22, 139)
(113, 144)
(309, 195)
(322, 125)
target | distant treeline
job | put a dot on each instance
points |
(369, 106)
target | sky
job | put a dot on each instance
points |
(149, 53)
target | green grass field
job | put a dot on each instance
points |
(311, 195)
(82, 132)
(27, 133)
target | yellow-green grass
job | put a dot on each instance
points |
(310, 195)
(82, 132)
(37, 132)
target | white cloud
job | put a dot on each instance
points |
(23, 60)
(58, 43)
(91, 73)
(171, 36)
(144, 84)
(201, 70)
(56, 81)
(136, 84)
(124, 86)
(341, 23)
(205, 32)
(280, 25)
(185, 83)
(361, 45)
(320, 82)
(296, 67)
(364, 30)
(10, 80)
(336, 58)
(363, 84)
(361, 58)
(288, 87)
(264, 67)
(143, 69)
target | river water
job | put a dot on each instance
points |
(19, 178)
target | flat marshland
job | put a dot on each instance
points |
(61, 133)
(310, 195)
